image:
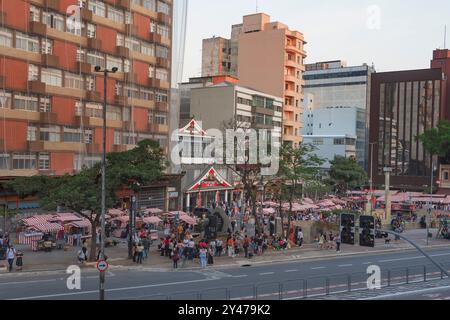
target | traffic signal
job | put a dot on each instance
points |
(347, 228)
(367, 231)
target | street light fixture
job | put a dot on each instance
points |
(102, 242)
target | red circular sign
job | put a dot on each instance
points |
(102, 265)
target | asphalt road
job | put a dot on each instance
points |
(242, 282)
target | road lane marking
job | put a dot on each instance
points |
(111, 290)
(367, 263)
(266, 273)
(317, 268)
(294, 270)
(407, 293)
(345, 265)
(415, 257)
(240, 276)
(31, 281)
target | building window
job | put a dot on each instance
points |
(118, 89)
(126, 65)
(44, 161)
(45, 105)
(5, 37)
(112, 62)
(446, 175)
(50, 133)
(133, 44)
(78, 108)
(96, 59)
(339, 141)
(129, 138)
(88, 136)
(150, 117)
(33, 72)
(164, 31)
(117, 137)
(31, 132)
(153, 26)
(35, 13)
(160, 95)
(149, 4)
(91, 30)
(131, 92)
(163, 7)
(51, 77)
(97, 7)
(148, 50)
(53, 20)
(126, 114)
(81, 161)
(72, 134)
(81, 55)
(113, 113)
(94, 110)
(27, 103)
(162, 74)
(5, 100)
(161, 119)
(146, 94)
(128, 17)
(27, 43)
(4, 161)
(24, 161)
(46, 46)
(151, 71)
(90, 83)
(73, 81)
(162, 52)
(115, 14)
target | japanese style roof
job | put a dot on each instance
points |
(192, 128)
(210, 180)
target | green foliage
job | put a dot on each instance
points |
(82, 192)
(346, 174)
(437, 140)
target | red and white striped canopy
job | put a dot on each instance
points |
(47, 227)
(35, 220)
(80, 224)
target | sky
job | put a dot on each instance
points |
(391, 34)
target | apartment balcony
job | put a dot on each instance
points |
(47, 172)
(162, 63)
(86, 14)
(130, 77)
(288, 108)
(49, 60)
(80, 120)
(38, 28)
(164, 18)
(48, 117)
(92, 148)
(123, 51)
(155, 37)
(131, 30)
(36, 86)
(121, 100)
(158, 128)
(291, 78)
(52, 4)
(291, 93)
(36, 146)
(153, 82)
(292, 63)
(94, 44)
(84, 67)
(162, 106)
(93, 96)
(128, 125)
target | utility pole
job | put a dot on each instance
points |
(103, 213)
(371, 176)
(131, 228)
(387, 172)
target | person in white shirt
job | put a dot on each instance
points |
(10, 255)
(300, 237)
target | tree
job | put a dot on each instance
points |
(297, 166)
(82, 192)
(346, 174)
(437, 141)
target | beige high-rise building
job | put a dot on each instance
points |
(271, 60)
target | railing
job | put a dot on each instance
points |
(319, 286)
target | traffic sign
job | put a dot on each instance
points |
(102, 265)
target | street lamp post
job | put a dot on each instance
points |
(102, 241)
(371, 176)
(430, 208)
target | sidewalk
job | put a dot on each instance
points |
(60, 260)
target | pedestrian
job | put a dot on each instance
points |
(321, 241)
(230, 245)
(85, 251)
(300, 237)
(338, 242)
(10, 255)
(81, 256)
(246, 244)
(140, 252)
(233, 225)
(175, 258)
(202, 257)
(210, 256)
(134, 252)
(146, 244)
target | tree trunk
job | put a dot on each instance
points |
(93, 253)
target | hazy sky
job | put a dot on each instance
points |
(403, 37)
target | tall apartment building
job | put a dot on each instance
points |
(51, 98)
(216, 59)
(268, 56)
(271, 60)
(333, 84)
(403, 105)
